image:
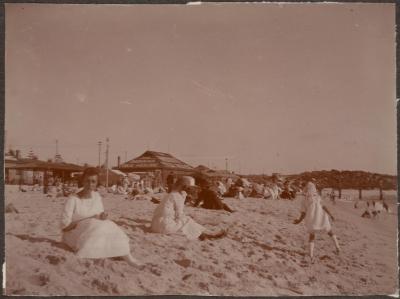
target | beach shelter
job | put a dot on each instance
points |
(157, 163)
(133, 176)
(119, 172)
(113, 177)
(51, 166)
(205, 173)
(202, 168)
(62, 170)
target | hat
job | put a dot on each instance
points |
(186, 181)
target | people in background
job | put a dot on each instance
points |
(240, 193)
(221, 188)
(170, 181)
(257, 190)
(288, 192)
(332, 196)
(210, 199)
(367, 212)
(272, 191)
(229, 183)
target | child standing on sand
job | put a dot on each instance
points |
(316, 217)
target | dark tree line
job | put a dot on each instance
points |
(359, 180)
(339, 180)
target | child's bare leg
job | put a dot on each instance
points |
(333, 236)
(311, 246)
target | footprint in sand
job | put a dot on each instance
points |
(203, 286)
(55, 260)
(187, 276)
(331, 267)
(325, 257)
(219, 275)
(185, 263)
(303, 263)
(156, 271)
(313, 279)
(250, 253)
(20, 291)
(206, 268)
(40, 279)
(109, 287)
(266, 256)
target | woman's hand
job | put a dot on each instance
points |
(103, 216)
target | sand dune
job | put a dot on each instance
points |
(263, 254)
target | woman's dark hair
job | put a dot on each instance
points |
(90, 171)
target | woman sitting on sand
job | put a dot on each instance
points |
(316, 217)
(86, 229)
(169, 217)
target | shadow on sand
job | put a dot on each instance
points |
(143, 224)
(42, 240)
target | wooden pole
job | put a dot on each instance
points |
(99, 144)
(107, 148)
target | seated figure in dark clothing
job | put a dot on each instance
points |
(232, 191)
(288, 192)
(210, 199)
(192, 195)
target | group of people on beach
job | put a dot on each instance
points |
(87, 230)
(373, 208)
(133, 187)
(53, 188)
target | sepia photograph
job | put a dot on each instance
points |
(226, 149)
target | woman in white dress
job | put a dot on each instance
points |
(85, 227)
(316, 217)
(273, 191)
(169, 217)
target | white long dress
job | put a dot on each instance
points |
(169, 218)
(274, 191)
(316, 218)
(92, 238)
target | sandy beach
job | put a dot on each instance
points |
(263, 254)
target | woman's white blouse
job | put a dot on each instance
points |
(76, 209)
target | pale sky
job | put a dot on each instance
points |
(275, 88)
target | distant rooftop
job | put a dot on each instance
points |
(155, 160)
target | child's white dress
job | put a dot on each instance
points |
(169, 218)
(92, 238)
(316, 218)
